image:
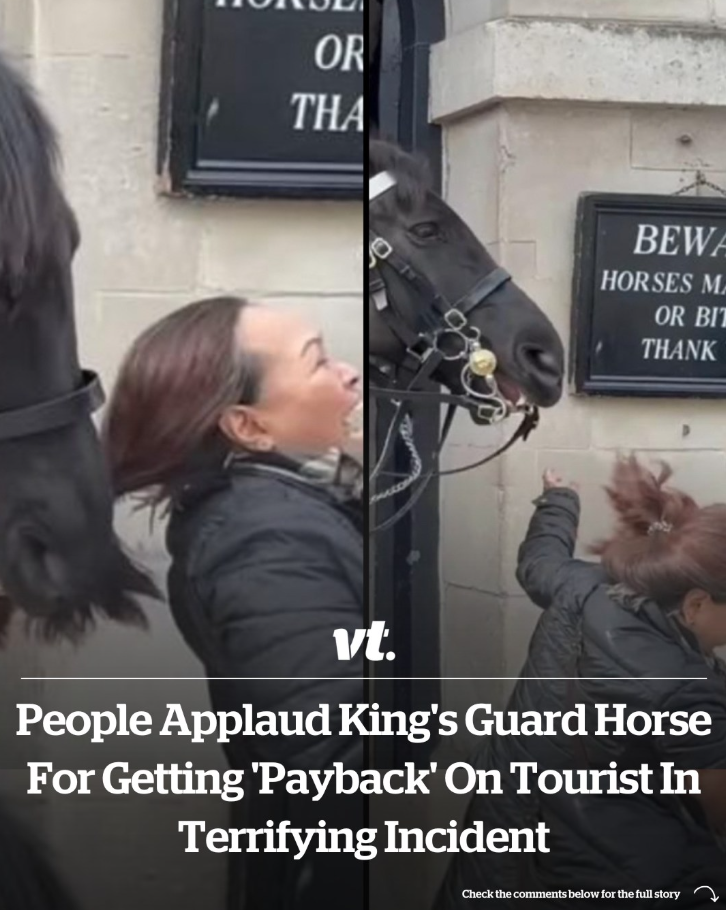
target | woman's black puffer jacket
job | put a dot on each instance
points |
(595, 643)
(267, 563)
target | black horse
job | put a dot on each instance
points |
(60, 561)
(441, 312)
(434, 265)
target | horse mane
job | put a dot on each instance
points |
(411, 172)
(30, 195)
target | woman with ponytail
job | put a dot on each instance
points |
(639, 628)
(232, 417)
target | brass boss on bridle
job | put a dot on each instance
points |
(443, 335)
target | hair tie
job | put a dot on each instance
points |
(662, 527)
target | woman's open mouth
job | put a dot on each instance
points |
(353, 421)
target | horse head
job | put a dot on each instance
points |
(441, 291)
(60, 561)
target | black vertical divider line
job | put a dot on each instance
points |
(404, 571)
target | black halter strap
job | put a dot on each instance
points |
(437, 314)
(54, 414)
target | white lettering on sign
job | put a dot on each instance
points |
(668, 349)
(321, 112)
(301, 6)
(338, 52)
(714, 284)
(647, 282)
(667, 315)
(711, 317)
(679, 240)
(325, 113)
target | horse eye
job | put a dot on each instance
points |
(428, 230)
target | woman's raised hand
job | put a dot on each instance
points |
(551, 480)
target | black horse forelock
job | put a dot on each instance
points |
(30, 197)
(413, 178)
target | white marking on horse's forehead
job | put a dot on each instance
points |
(380, 184)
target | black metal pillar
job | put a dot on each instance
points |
(406, 581)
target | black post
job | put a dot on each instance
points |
(407, 584)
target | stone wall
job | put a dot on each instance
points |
(537, 109)
(96, 64)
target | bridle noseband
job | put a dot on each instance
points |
(54, 414)
(443, 334)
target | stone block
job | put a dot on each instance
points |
(464, 14)
(465, 432)
(577, 60)
(566, 426)
(132, 240)
(112, 322)
(472, 626)
(472, 631)
(463, 73)
(652, 425)
(700, 474)
(17, 26)
(473, 186)
(283, 247)
(679, 139)
(643, 10)
(519, 258)
(106, 27)
(471, 516)
(556, 153)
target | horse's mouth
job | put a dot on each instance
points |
(510, 391)
(529, 393)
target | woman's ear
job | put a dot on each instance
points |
(692, 605)
(242, 428)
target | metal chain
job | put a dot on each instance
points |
(701, 180)
(406, 433)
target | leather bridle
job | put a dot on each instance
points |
(54, 414)
(443, 334)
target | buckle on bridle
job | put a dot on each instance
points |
(456, 320)
(378, 251)
(421, 350)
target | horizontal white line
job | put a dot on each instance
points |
(356, 678)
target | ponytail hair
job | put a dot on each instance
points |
(663, 545)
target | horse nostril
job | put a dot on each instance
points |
(544, 365)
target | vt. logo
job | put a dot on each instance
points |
(347, 648)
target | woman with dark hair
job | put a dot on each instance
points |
(638, 629)
(226, 413)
